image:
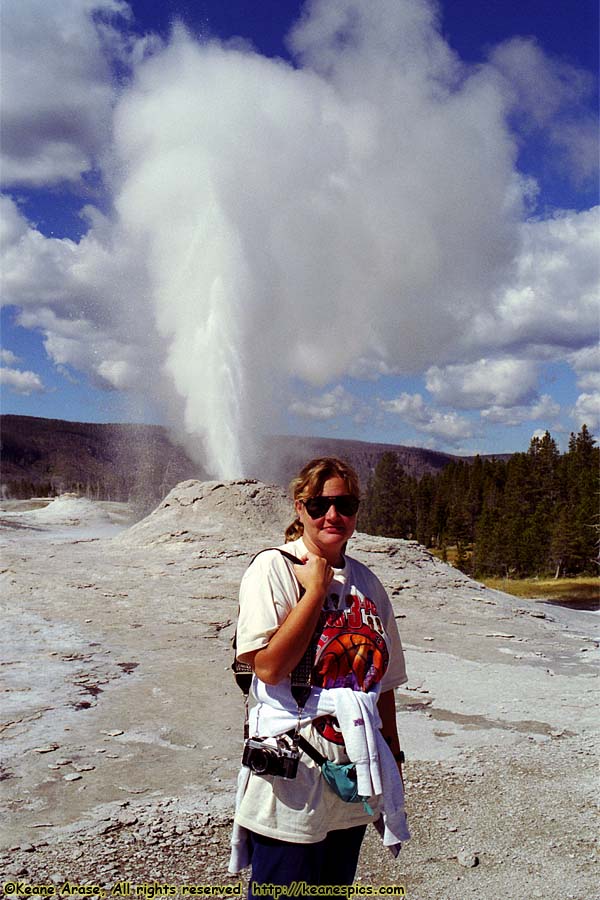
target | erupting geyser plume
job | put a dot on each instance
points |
(309, 222)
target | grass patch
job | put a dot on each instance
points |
(450, 554)
(581, 589)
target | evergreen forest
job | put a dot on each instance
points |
(535, 513)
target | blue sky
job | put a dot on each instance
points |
(374, 220)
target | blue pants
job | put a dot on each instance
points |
(330, 861)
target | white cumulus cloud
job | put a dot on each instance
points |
(551, 96)
(56, 93)
(589, 381)
(487, 382)
(586, 364)
(554, 300)
(326, 406)
(20, 381)
(545, 409)
(448, 427)
(587, 410)
(8, 357)
(83, 296)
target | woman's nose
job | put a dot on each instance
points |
(331, 513)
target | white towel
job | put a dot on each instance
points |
(376, 769)
(358, 718)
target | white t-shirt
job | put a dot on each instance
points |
(359, 647)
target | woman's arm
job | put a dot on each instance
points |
(387, 710)
(288, 645)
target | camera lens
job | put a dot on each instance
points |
(260, 761)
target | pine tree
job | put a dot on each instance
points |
(546, 505)
(563, 548)
(388, 501)
(581, 473)
(424, 495)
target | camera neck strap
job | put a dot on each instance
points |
(300, 676)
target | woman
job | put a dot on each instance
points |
(295, 829)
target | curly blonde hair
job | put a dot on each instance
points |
(309, 483)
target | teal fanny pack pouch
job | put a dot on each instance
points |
(341, 777)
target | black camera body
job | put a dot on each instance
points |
(264, 759)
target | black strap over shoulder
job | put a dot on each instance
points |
(290, 556)
(301, 675)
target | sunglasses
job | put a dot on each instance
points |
(345, 505)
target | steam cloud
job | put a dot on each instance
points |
(359, 213)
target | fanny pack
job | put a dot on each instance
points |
(341, 777)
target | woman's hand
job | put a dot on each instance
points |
(286, 647)
(315, 574)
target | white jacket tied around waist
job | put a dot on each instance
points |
(358, 717)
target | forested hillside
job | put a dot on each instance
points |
(44, 457)
(535, 513)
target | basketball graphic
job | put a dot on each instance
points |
(351, 653)
(351, 650)
(352, 660)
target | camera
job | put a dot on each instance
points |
(264, 759)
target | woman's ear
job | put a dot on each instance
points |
(298, 506)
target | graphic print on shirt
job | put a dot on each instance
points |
(351, 653)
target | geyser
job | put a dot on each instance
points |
(309, 222)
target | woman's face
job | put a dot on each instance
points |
(327, 535)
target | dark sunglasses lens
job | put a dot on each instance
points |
(316, 507)
(345, 505)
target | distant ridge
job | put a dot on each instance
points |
(103, 461)
(121, 461)
(284, 456)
